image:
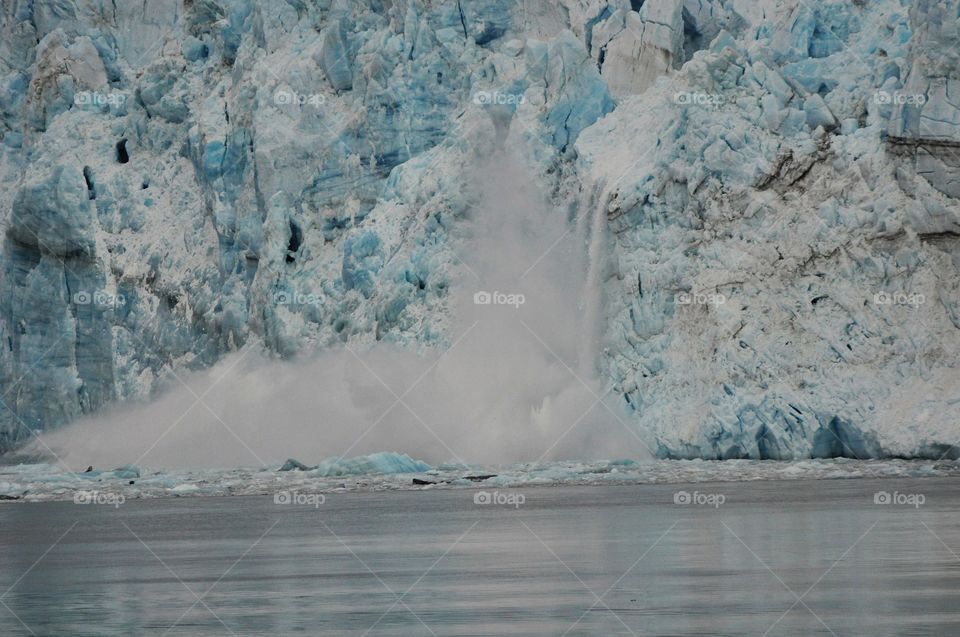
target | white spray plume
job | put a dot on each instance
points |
(513, 387)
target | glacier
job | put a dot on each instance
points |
(765, 191)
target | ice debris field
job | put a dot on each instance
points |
(392, 471)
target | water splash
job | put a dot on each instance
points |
(591, 231)
(517, 385)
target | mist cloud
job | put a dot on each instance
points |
(513, 387)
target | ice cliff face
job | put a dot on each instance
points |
(775, 184)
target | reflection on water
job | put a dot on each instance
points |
(798, 558)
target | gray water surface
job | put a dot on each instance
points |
(775, 558)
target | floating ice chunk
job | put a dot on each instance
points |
(294, 465)
(384, 462)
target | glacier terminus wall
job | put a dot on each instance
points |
(769, 189)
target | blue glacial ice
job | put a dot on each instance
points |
(775, 186)
(377, 463)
